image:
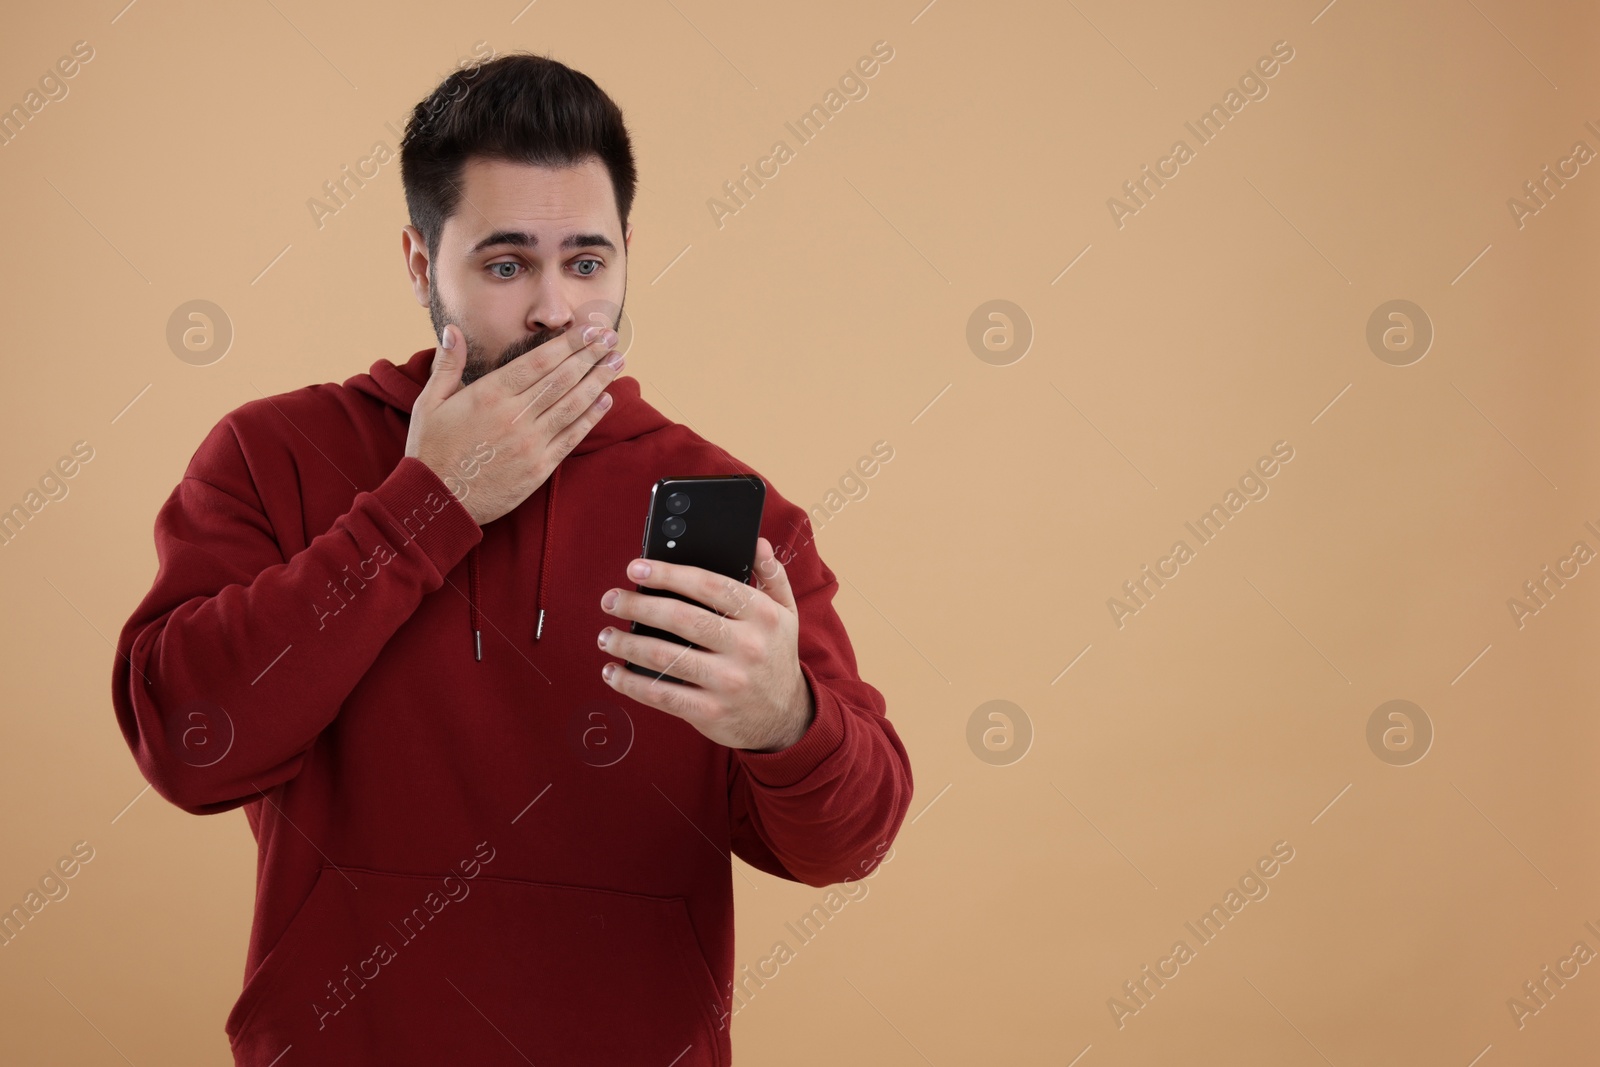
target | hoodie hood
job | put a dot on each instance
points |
(399, 385)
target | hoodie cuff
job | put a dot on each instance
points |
(412, 494)
(821, 739)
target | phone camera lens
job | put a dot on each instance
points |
(678, 503)
(674, 526)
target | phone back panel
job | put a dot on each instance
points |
(709, 521)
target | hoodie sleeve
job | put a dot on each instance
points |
(824, 809)
(227, 672)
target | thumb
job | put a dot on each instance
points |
(771, 577)
(444, 378)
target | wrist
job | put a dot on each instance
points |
(804, 714)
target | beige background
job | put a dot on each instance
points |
(831, 312)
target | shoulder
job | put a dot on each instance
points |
(268, 434)
(306, 412)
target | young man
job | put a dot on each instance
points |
(385, 622)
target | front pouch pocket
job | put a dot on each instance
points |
(381, 967)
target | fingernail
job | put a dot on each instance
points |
(639, 569)
(590, 333)
(615, 360)
(604, 636)
(611, 338)
(608, 670)
(445, 340)
(609, 601)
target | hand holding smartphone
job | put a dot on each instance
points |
(712, 522)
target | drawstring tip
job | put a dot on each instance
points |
(539, 630)
(477, 640)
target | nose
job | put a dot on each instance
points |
(551, 310)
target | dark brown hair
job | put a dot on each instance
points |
(517, 107)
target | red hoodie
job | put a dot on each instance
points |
(472, 849)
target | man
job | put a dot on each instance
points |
(385, 622)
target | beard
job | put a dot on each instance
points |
(479, 360)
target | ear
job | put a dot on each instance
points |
(627, 238)
(414, 248)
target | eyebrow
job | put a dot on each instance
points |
(522, 239)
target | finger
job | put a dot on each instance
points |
(684, 701)
(565, 441)
(529, 372)
(571, 393)
(691, 622)
(719, 593)
(444, 378)
(660, 656)
(771, 577)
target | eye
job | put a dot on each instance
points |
(588, 262)
(504, 263)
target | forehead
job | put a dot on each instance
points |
(501, 195)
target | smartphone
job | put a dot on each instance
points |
(709, 521)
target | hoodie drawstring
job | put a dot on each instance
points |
(544, 571)
(472, 599)
(544, 548)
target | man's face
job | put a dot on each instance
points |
(529, 253)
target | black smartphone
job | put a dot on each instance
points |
(709, 521)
